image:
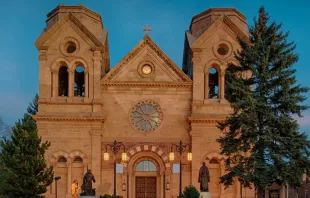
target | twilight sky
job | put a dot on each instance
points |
(22, 21)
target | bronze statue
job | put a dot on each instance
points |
(204, 178)
(87, 186)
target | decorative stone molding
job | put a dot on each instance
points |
(147, 41)
(69, 118)
(204, 120)
(43, 55)
(95, 132)
(64, 44)
(140, 67)
(70, 17)
(75, 154)
(59, 154)
(226, 44)
(148, 148)
(141, 84)
(210, 156)
(150, 116)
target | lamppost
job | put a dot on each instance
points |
(180, 149)
(115, 148)
(56, 179)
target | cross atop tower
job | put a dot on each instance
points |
(146, 29)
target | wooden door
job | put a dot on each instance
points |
(145, 187)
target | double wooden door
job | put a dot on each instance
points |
(145, 187)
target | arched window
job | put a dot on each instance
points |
(213, 161)
(78, 159)
(63, 81)
(79, 81)
(146, 166)
(62, 159)
(213, 83)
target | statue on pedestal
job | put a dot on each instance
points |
(204, 178)
(87, 186)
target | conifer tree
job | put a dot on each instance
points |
(23, 169)
(261, 139)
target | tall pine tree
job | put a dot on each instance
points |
(23, 169)
(261, 138)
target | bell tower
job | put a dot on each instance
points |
(73, 58)
(209, 47)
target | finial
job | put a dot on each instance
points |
(146, 29)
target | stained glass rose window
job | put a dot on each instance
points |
(146, 116)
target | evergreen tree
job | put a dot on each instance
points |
(33, 106)
(23, 169)
(5, 130)
(260, 138)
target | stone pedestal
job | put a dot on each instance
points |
(205, 195)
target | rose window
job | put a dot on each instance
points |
(146, 116)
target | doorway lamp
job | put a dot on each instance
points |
(115, 148)
(180, 148)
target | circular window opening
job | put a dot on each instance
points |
(223, 49)
(70, 47)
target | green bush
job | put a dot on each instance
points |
(190, 192)
(110, 196)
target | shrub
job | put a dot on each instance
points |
(190, 192)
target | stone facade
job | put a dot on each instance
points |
(146, 102)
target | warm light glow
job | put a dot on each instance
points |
(124, 156)
(124, 186)
(106, 156)
(167, 186)
(189, 156)
(171, 156)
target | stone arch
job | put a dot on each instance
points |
(214, 162)
(148, 155)
(60, 154)
(216, 156)
(80, 154)
(75, 62)
(156, 151)
(147, 158)
(213, 62)
(55, 66)
(80, 70)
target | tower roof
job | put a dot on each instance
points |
(79, 11)
(202, 21)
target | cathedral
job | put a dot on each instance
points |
(145, 126)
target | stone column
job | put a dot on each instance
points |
(53, 191)
(222, 167)
(196, 161)
(86, 82)
(129, 184)
(96, 74)
(206, 85)
(96, 155)
(69, 166)
(45, 76)
(222, 84)
(71, 83)
(54, 84)
(198, 77)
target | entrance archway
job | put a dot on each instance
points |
(146, 171)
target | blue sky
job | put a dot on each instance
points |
(22, 21)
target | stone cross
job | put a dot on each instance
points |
(146, 29)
